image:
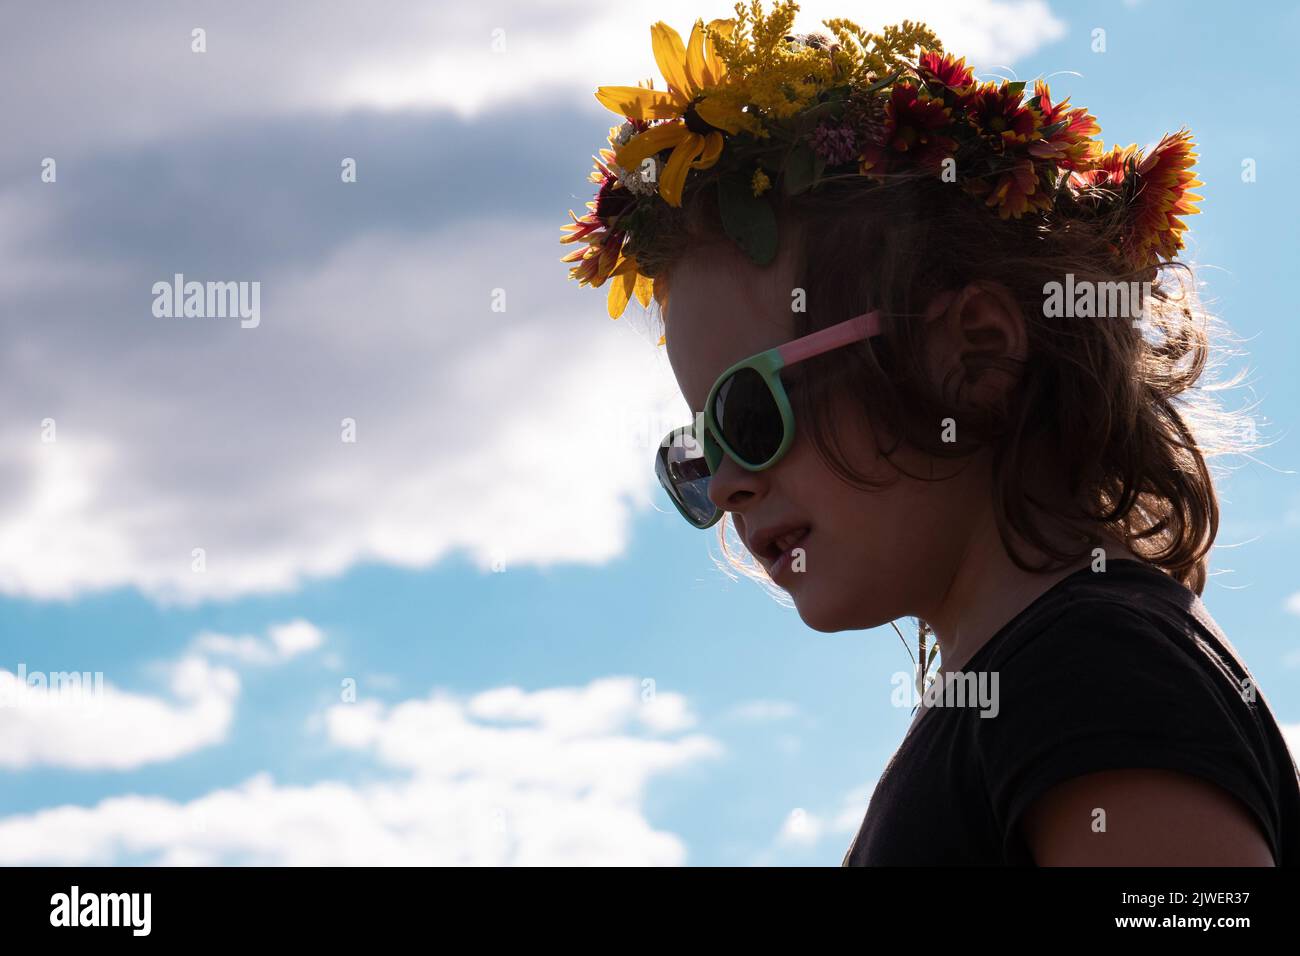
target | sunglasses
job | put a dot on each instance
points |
(746, 416)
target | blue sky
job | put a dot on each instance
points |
(548, 664)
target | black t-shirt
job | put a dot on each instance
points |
(1120, 669)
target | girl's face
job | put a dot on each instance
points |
(869, 557)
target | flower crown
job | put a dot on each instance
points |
(751, 108)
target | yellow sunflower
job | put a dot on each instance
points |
(694, 123)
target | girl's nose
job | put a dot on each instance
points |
(733, 488)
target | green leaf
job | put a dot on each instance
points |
(809, 118)
(882, 83)
(1017, 87)
(749, 220)
(800, 170)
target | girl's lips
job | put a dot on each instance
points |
(790, 542)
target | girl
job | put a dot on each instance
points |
(940, 355)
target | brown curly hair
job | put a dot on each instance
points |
(1110, 405)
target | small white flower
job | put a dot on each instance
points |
(625, 132)
(639, 182)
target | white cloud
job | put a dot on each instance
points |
(387, 54)
(757, 711)
(562, 784)
(244, 648)
(602, 704)
(804, 828)
(296, 637)
(82, 721)
(615, 45)
(283, 642)
(853, 808)
(105, 728)
(666, 714)
(801, 828)
(522, 437)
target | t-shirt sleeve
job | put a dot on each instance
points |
(1102, 687)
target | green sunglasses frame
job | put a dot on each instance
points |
(768, 364)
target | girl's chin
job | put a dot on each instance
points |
(819, 613)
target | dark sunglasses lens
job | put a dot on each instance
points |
(684, 473)
(748, 416)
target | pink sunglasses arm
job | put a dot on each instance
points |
(851, 330)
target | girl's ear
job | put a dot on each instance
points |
(980, 325)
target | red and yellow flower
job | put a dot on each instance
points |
(1000, 113)
(952, 74)
(1158, 189)
(1163, 195)
(1071, 146)
(1013, 192)
(1106, 170)
(601, 257)
(915, 123)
